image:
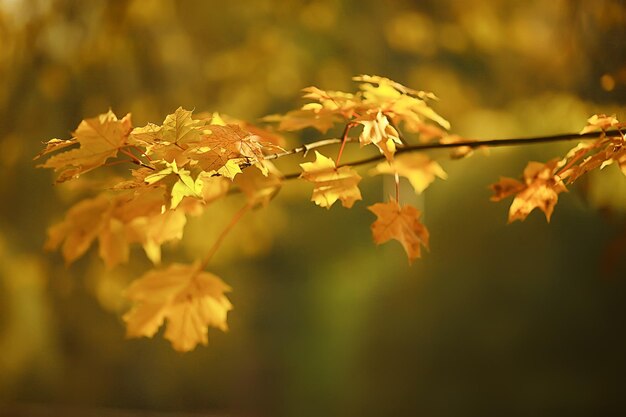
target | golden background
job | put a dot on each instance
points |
(495, 319)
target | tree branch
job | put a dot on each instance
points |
(489, 143)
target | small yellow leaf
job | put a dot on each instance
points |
(418, 168)
(378, 130)
(230, 168)
(331, 183)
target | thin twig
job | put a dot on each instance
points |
(304, 149)
(489, 143)
(218, 242)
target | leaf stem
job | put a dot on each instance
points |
(396, 178)
(344, 139)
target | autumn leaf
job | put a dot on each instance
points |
(168, 141)
(377, 94)
(310, 115)
(400, 103)
(586, 157)
(331, 183)
(505, 188)
(178, 183)
(418, 168)
(81, 227)
(213, 187)
(99, 139)
(189, 299)
(258, 188)
(54, 145)
(224, 148)
(600, 122)
(401, 224)
(378, 130)
(152, 231)
(266, 136)
(376, 79)
(540, 189)
(116, 222)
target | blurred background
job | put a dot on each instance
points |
(526, 318)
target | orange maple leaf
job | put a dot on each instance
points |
(331, 183)
(191, 300)
(401, 224)
(99, 139)
(225, 148)
(540, 189)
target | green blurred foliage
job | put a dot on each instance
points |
(495, 318)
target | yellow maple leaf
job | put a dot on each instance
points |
(99, 139)
(401, 224)
(331, 183)
(378, 130)
(312, 115)
(399, 102)
(386, 82)
(191, 300)
(116, 222)
(168, 141)
(178, 182)
(213, 187)
(82, 225)
(418, 168)
(152, 231)
(258, 188)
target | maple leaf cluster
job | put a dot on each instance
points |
(543, 182)
(187, 162)
(181, 166)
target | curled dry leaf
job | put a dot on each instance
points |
(401, 224)
(331, 183)
(191, 300)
